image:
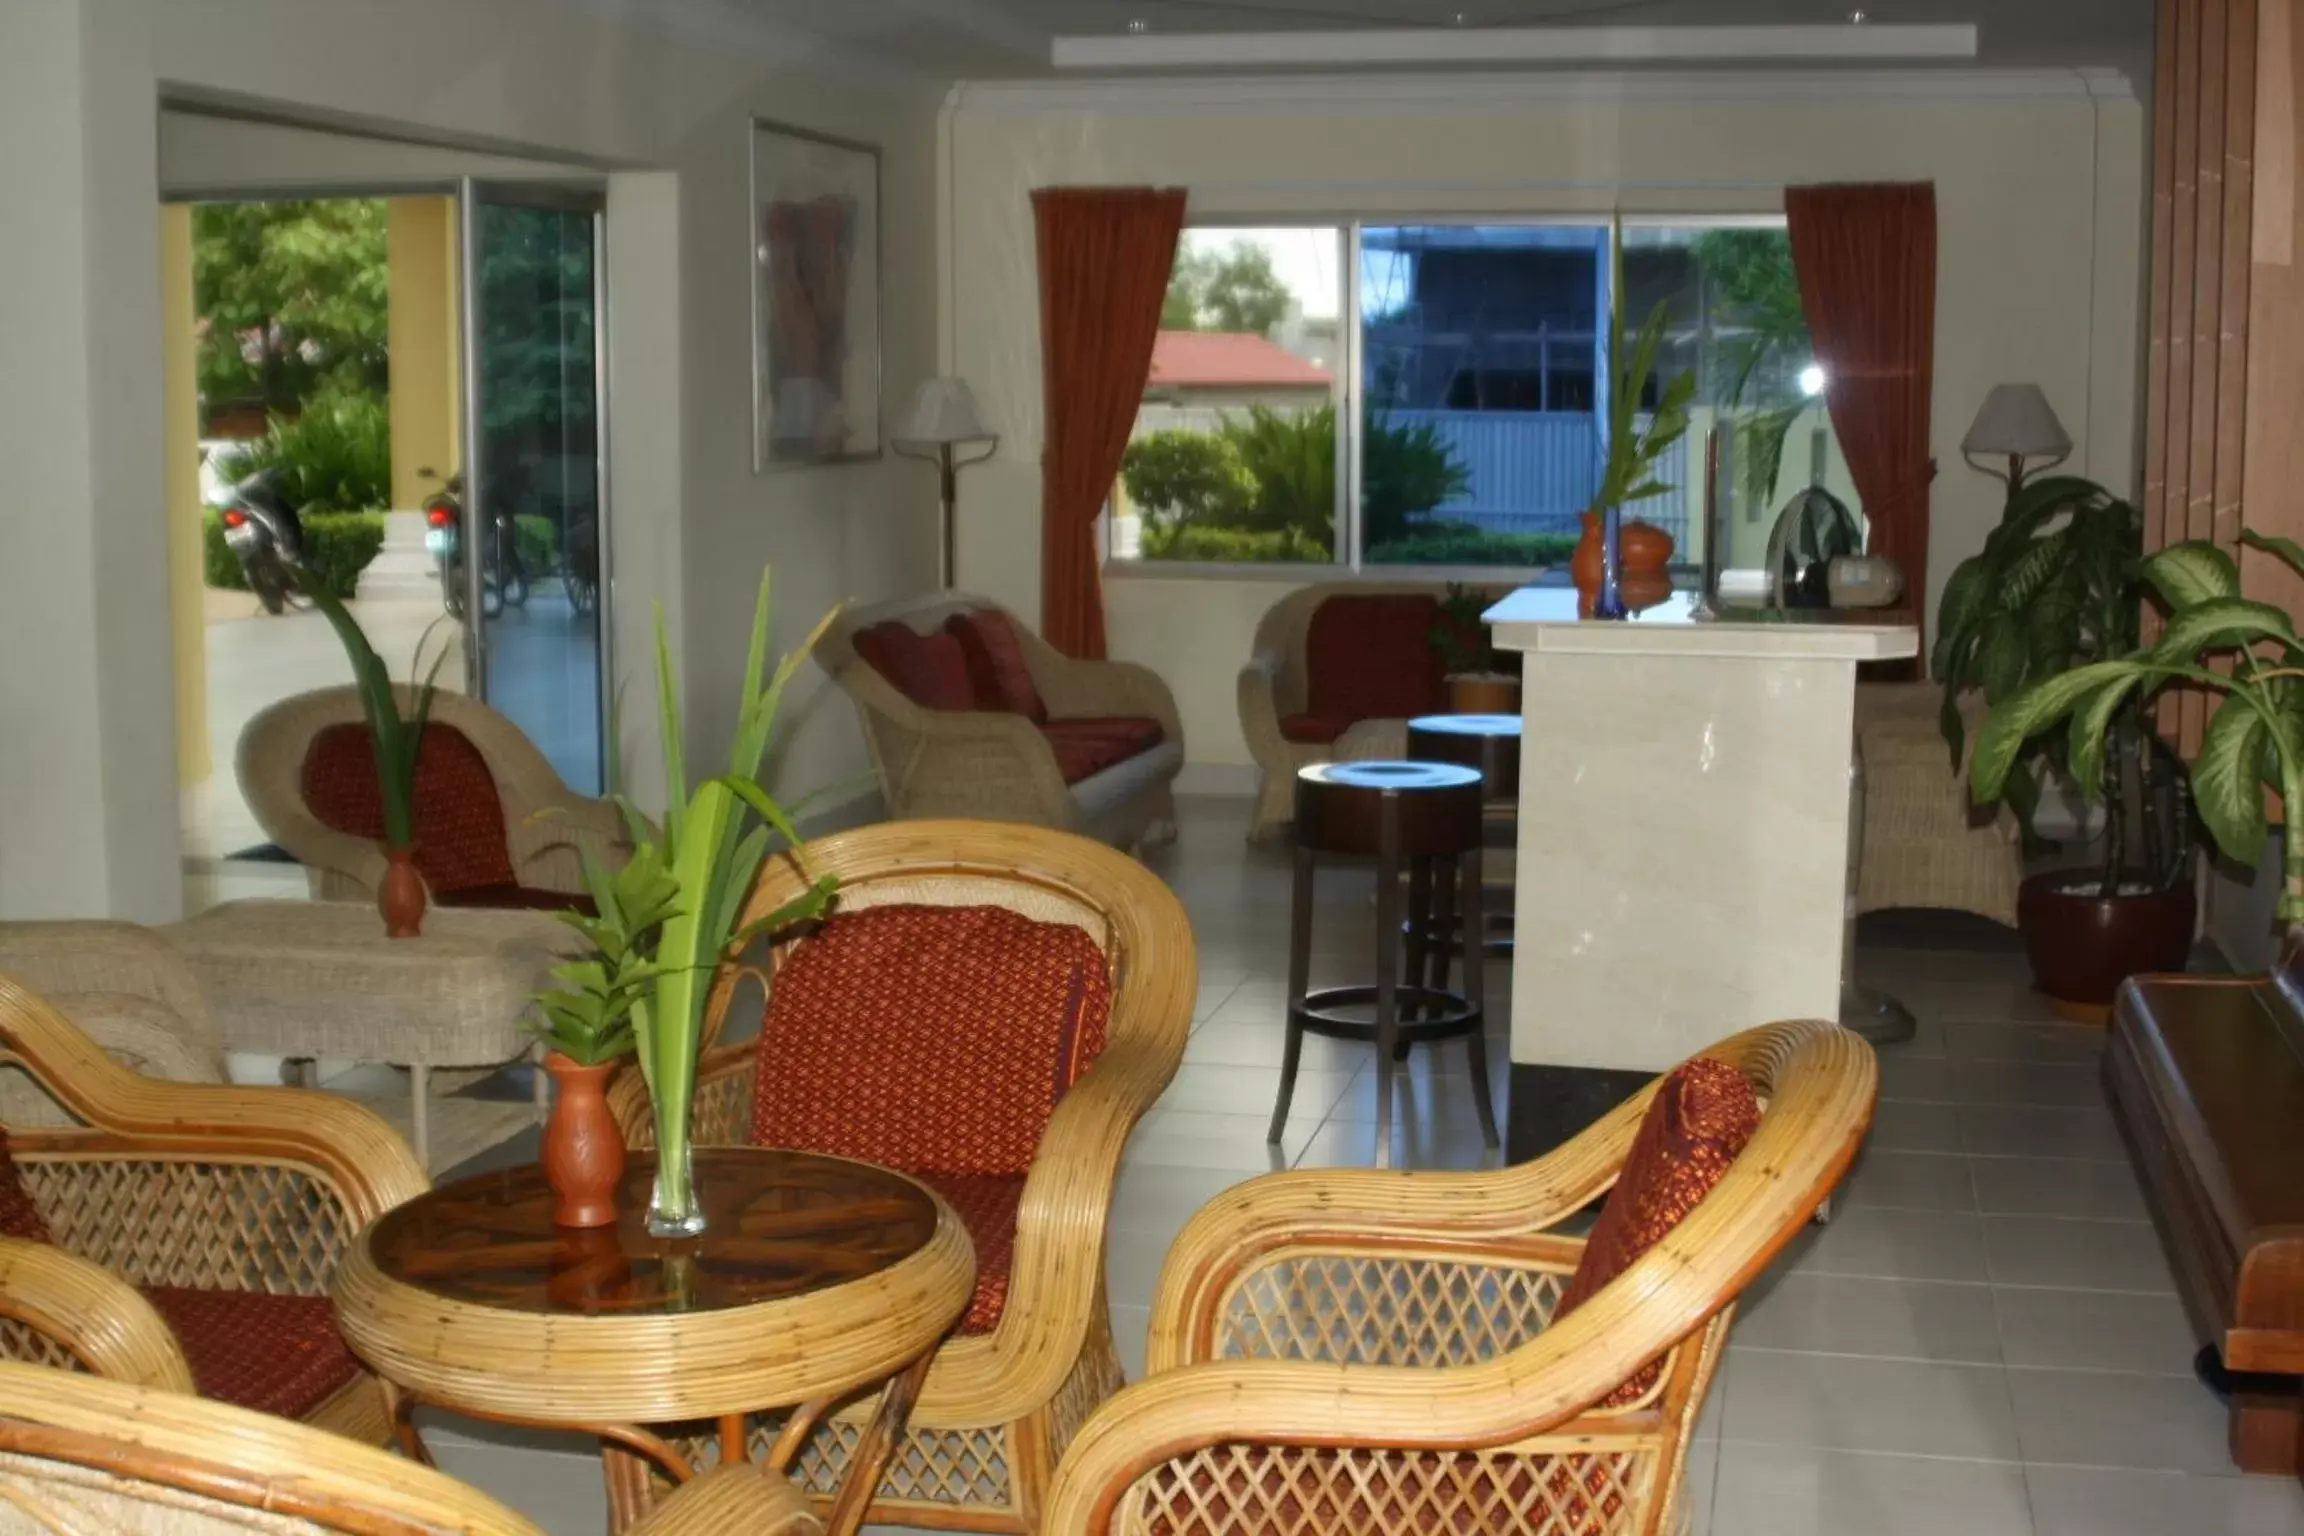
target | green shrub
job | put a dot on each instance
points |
(537, 538)
(335, 457)
(338, 546)
(1188, 541)
(1291, 456)
(1462, 544)
(1404, 470)
(1182, 476)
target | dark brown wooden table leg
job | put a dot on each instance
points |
(2266, 1429)
(1299, 982)
(873, 1448)
(402, 1407)
(1387, 967)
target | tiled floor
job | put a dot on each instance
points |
(1984, 1340)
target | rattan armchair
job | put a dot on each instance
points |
(997, 1408)
(123, 986)
(1364, 1351)
(543, 817)
(149, 1182)
(947, 763)
(84, 1456)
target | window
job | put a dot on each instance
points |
(1468, 364)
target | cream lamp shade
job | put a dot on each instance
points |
(944, 412)
(2017, 421)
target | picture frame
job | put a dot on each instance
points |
(814, 222)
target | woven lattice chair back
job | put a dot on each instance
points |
(543, 817)
(1364, 1351)
(998, 1406)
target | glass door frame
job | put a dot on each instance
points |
(577, 196)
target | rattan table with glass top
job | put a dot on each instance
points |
(816, 1278)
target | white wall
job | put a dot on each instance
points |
(88, 818)
(2040, 199)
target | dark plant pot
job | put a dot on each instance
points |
(583, 1149)
(400, 899)
(2083, 945)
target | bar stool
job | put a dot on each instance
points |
(1423, 817)
(1491, 744)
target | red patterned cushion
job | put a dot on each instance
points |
(1698, 1122)
(19, 1212)
(986, 1204)
(996, 665)
(460, 841)
(1369, 656)
(1087, 746)
(279, 1355)
(930, 670)
(931, 1039)
(1319, 730)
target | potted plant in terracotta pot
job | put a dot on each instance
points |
(1477, 681)
(398, 739)
(2054, 591)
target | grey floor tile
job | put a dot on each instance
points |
(1415, 1144)
(1238, 1090)
(1923, 1181)
(1842, 1402)
(2096, 1501)
(1902, 1126)
(2106, 1419)
(1856, 1315)
(1894, 1245)
(1773, 1490)
(1697, 1482)
(2079, 1255)
(2066, 1043)
(1161, 1197)
(1129, 1325)
(2046, 1186)
(2094, 1331)
(1192, 1139)
(2035, 1131)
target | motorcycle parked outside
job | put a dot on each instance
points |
(263, 530)
(503, 577)
(582, 577)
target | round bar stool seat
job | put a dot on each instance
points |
(1423, 818)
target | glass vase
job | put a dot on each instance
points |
(673, 1208)
(1608, 603)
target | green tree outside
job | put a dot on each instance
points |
(294, 300)
(1235, 290)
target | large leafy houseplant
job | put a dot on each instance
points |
(2055, 587)
(2214, 639)
(670, 917)
(1628, 466)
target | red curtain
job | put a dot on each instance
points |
(1866, 257)
(1105, 255)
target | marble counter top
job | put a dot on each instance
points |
(1543, 619)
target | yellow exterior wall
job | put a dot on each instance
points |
(180, 434)
(427, 390)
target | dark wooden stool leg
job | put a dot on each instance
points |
(1299, 982)
(1476, 990)
(1417, 937)
(1387, 953)
(1443, 926)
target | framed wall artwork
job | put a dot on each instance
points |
(815, 299)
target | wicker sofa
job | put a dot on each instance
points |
(1923, 845)
(1337, 671)
(495, 824)
(1098, 756)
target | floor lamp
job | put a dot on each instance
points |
(945, 420)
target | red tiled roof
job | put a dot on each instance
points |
(1228, 360)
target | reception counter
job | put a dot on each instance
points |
(1683, 843)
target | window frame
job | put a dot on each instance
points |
(1350, 395)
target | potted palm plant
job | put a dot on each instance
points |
(2214, 640)
(659, 941)
(397, 739)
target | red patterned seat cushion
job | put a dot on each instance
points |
(279, 1355)
(1369, 656)
(930, 670)
(1319, 730)
(1088, 746)
(19, 1212)
(460, 841)
(986, 1204)
(931, 1039)
(996, 666)
(1699, 1121)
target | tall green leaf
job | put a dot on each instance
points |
(2228, 781)
(2291, 552)
(2026, 715)
(2194, 572)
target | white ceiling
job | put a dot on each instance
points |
(964, 38)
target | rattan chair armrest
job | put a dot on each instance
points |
(1107, 688)
(101, 1319)
(991, 763)
(746, 1498)
(346, 1144)
(278, 801)
(1259, 700)
(1465, 1215)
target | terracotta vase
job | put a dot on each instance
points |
(400, 899)
(1646, 552)
(583, 1150)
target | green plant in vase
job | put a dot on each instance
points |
(1614, 555)
(658, 953)
(397, 739)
